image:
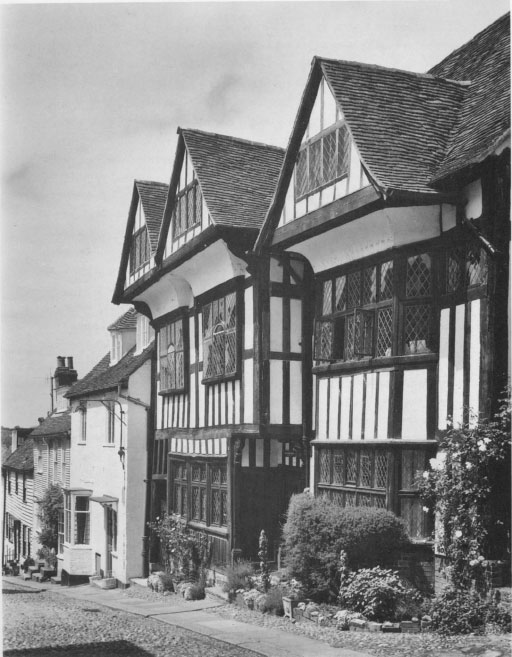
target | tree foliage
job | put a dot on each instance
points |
(49, 508)
(463, 488)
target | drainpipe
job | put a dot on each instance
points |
(4, 474)
(150, 439)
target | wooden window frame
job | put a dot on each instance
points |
(140, 249)
(311, 189)
(208, 485)
(111, 422)
(190, 195)
(220, 294)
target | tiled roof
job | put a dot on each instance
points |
(126, 321)
(153, 196)
(54, 424)
(485, 115)
(400, 121)
(237, 177)
(103, 376)
(23, 458)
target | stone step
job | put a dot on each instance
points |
(56, 580)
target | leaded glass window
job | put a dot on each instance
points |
(419, 276)
(188, 209)
(140, 250)
(219, 337)
(172, 356)
(417, 332)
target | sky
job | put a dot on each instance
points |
(92, 96)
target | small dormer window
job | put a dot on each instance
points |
(322, 160)
(140, 251)
(188, 209)
(117, 347)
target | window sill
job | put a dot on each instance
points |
(376, 363)
(169, 393)
(220, 379)
(109, 445)
(82, 443)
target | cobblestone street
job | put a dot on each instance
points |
(40, 623)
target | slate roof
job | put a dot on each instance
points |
(55, 424)
(153, 196)
(485, 115)
(22, 459)
(237, 177)
(126, 321)
(103, 376)
(400, 121)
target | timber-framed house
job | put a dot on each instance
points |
(394, 193)
(226, 454)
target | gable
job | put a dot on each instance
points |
(190, 214)
(328, 166)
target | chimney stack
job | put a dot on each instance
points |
(64, 378)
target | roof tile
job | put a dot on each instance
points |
(153, 196)
(237, 177)
(23, 458)
(103, 376)
(126, 321)
(53, 425)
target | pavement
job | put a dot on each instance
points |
(195, 618)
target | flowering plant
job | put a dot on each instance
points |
(462, 487)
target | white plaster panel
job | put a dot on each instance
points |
(357, 407)
(259, 452)
(449, 216)
(458, 373)
(472, 194)
(382, 416)
(201, 402)
(223, 419)
(167, 294)
(237, 402)
(249, 319)
(334, 394)
(275, 453)
(340, 188)
(300, 209)
(295, 392)
(245, 455)
(276, 392)
(321, 432)
(192, 401)
(369, 414)
(313, 202)
(230, 396)
(346, 391)
(314, 125)
(444, 340)
(295, 325)
(276, 271)
(315, 389)
(414, 410)
(330, 107)
(474, 363)
(276, 323)
(312, 469)
(248, 390)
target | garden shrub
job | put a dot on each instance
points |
(49, 507)
(375, 592)
(317, 530)
(160, 582)
(238, 576)
(458, 611)
(272, 601)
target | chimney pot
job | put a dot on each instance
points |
(40, 420)
(70, 362)
(61, 361)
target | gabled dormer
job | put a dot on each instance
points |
(328, 164)
(123, 335)
(365, 137)
(142, 231)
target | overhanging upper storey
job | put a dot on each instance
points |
(360, 125)
(141, 237)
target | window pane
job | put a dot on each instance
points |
(417, 329)
(351, 467)
(327, 298)
(384, 332)
(381, 470)
(325, 466)
(341, 293)
(329, 157)
(418, 282)
(349, 337)
(343, 151)
(454, 270)
(191, 205)
(301, 174)
(476, 267)
(366, 469)
(230, 310)
(216, 507)
(353, 289)
(199, 205)
(324, 340)
(411, 512)
(386, 280)
(315, 164)
(337, 468)
(369, 285)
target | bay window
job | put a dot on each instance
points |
(76, 518)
